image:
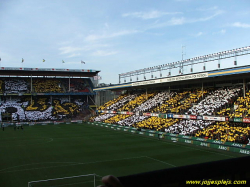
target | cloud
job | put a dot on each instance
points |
(177, 21)
(208, 9)
(93, 37)
(217, 13)
(241, 25)
(184, 20)
(223, 31)
(182, 0)
(74, 55)
(148, 15)
(72, 51)
(104, 53)
(199, 34)
(69, 49)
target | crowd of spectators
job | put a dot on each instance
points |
(15, 86)
(116, 118)
(132, 104)
(116, 101)
(225, 131)
(153, 102)
(210, 102)
(156, 123)
(47, 85)
(43, 85)
(173, 104)
(41, 108)
(241, 107)
(101, 117)
(188, 127)
(214, 101)
(121, 101)
(79, 85)
(132, 120)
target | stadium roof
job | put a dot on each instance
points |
(20, 71)
(237, 72)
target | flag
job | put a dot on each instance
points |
(43, 60)
(63, 61)
(82, 62)
(22, 60)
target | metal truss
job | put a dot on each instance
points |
(187, 62)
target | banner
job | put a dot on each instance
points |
(155, 114)
(238, 119)
(244, 151)
(199, 117)
(179, 116)
(212, 118)
(172, 79)
(191, 117)
(170, 115)
(246, 120)
(162, 115)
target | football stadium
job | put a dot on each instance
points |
(60, 127)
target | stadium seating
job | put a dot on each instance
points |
(47, 85)
(209, 101)
(101, 117)
(131, 105)
(116, 118)
(155, 123)
(15, 86)
(41, 108)
(225, 131)
(214, 101)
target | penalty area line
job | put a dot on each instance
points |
(75, 164)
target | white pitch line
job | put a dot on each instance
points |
(2, 171)
(37, 164)
(160, 161)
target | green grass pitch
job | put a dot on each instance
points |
(54, 151)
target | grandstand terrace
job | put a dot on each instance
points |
(44, 94)
(211, 105)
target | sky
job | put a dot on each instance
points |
(119, 36)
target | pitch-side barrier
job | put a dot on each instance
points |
(216, 144)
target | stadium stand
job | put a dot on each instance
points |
(15, 86)
(47, 85)
(41, 99)
(197, 102)
(225, 131)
